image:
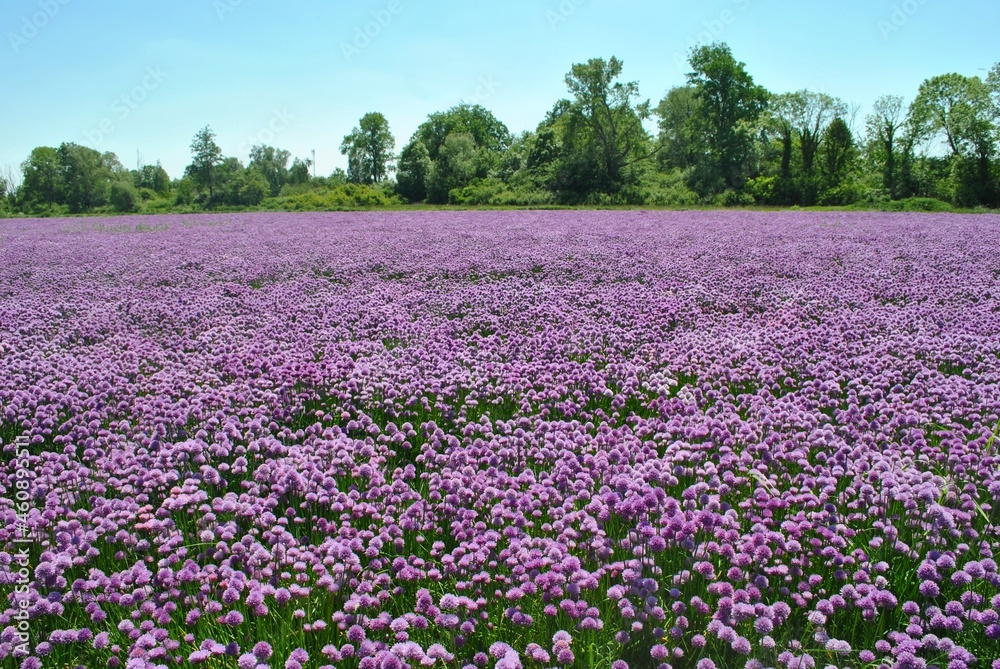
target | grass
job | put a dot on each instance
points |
(889, 207)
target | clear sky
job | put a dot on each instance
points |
(140, 77)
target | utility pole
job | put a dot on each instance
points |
(314, 163)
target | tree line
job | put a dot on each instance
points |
(719, 139)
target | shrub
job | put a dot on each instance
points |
(340, 197)
(668, 189)
(765, 190)
(124, 197)
(253, 191)
(479, 192)
(919, 204)
(186, 193)
(732, 198)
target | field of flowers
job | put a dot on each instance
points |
(500, 439)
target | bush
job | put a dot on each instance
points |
(336, 198)
(161, 205)
(524, 197)
(253, 191)
(124, 197)
(732, 198)
(668, 189)
(765, 190)
(493, 192)
(147, 194)
(629, 196)
(918, 204)
(187, 191)
(479, 192)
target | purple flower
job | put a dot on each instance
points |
(199, 656)
(929, 589)
(741, 646)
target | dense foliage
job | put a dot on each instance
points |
(575, 439)
(721, 139)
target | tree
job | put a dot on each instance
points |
(838, 153)
(956, 108)
(206, 157)
(414, 169)
(42, 176)
(487, 131)
(252, 189)
(455, 167)
(730, 104)
(86, 176)
(816, 112)
(153, 177)
(123, 196)
(419, 174)
(993, 83)
(959, 110)
(605, 123)
(369, 150)
(229, 177)
(272, 165)
(682, 145)
(13, 180)
(883, 127)
(299, 171)
(784, 112)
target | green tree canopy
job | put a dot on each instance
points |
(957, 109)
(153, 177)
(369, 150)
(487, 131)
(682, 145)
(961, 111)
(298, 173)
(730, 105)
(784, 112)
(883, 126)
(413, 171)
(206, 156)
(815, 112)
(457, 165)
(272, 165)
(603, 131)
(838, 152)
(42, 176)
(86, 175)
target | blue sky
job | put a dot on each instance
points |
(140, 76)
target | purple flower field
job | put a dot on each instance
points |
(613, 440)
